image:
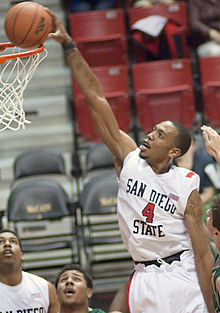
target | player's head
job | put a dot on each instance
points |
(10, 248)
(213, 217)
(74, 286)
(5, 230)
(183, 139)
(167, 140)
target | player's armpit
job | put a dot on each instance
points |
(54, 305)
(204, 260)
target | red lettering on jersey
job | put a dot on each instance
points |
(190, 174)
(148, 212)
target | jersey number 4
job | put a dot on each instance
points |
(148, 212)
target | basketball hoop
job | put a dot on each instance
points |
(16, 69)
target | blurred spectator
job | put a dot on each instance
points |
(86, 5)
(161, 37)
(204, 24)
(197, 160)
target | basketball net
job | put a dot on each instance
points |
(16, 70)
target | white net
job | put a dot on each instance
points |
(15, 74)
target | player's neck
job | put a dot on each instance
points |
(161, 168)
(73, 308)
(10, 277)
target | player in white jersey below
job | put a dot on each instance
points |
(21, 291)
(159, 208)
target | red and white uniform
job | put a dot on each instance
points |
(151, 211)
(31, 295)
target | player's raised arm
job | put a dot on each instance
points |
(204, 260)
(105, 122)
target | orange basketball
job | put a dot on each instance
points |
(27, 25)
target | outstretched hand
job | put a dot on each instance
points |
(59, 32)
(212, 141)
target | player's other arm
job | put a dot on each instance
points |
(119, 303)
(54, 305)
(204, 260)
(105, 122)
(218, 284)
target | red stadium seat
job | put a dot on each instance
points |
(115, 84)
(210, 80)
(163, 91)
(175, 31)
(100, 36)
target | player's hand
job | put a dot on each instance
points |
(59, 32)
(214, 35)
(212, 140)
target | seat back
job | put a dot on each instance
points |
(106, 256)
(176, 13)
(210, 80)
(38, 162)
(101, 36)
(114, 81)
(38, 211)
(99, 157)
(163, 91)
(45, 163)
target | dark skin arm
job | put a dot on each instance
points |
(119, 303)
(54, 306)
(118, 142)
(204, 260)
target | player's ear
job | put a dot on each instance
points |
(174, 153)
(89, 292)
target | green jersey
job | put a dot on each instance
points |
(96, 311)
(215, 275)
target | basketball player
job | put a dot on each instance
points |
(213, 222)
(212, 141)
(160, 212)
(74, 289)
(21, 291)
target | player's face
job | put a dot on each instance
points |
(72, 289)
(10, 250)
(158, 143)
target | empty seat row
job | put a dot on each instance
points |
(55, 230)
(102, 35)
(161, 89)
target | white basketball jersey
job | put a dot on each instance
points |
(30, 296)
(151, 208)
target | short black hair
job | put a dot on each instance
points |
(215, 208)
(76, 267)
(184, 138)
(5, 230)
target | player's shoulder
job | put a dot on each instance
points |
(184, 173)
(132, 155)
(34, 277)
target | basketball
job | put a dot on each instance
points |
(27, 25)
